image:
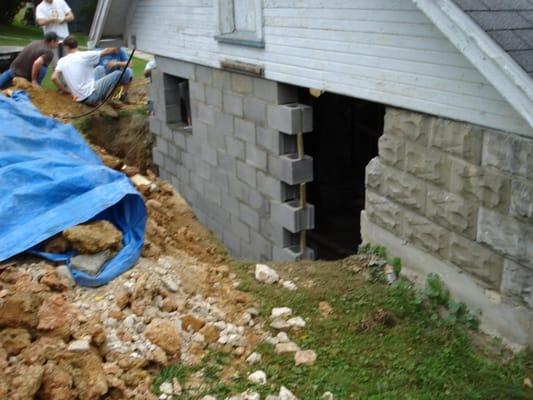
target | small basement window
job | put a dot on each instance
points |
(177, 100)
(240, 22)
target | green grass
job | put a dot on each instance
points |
(421, 357)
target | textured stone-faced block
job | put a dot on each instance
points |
(392, 150)
(428, 164)
(384, 212)
(452, 211)
(293, 217)
(517, 282)
(407, 124)
(480, 183)
(291, 118)
(522, 200)
(404, 189)
(506, 235)
(294, 170)
(425, 234)
(375, 174)
(476, 259)
(457, 138)
(508, 152)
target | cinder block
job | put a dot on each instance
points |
(179, 139)
(235, 147)
(245, 130)
(216, 136)
(259, 203)
(220, 215)
(429, 164)
(476, 259)
(202, 169)
(232, 242)
(224, 123)
(457, 138)
(384, 212)
(241, 83)
(522, 200)
(240, 229)
(291, 254)
(452, 212)
(295, 171)
(410, 125)
(158, 158)
(291, 119)
(230, 203)
(508, 236)
(155, 126)
(197, 91)
(175, 67)
(209, 154)
(212, 192)
(255, 110)
(173, 152)
(239, 189)
(392, 151)
(281, 237)
(226, 163)
(425, 234)
(517, 283)
(213, 97)
(221, 79)
(270, 139)
(246, 173)
(256, 157)
(262, 246)
(206, 114)
(292, 217)
(266, 90)
(203, 74)
(249, 216)
(509, 153)
(480, 184)
(269, 186)
(233, 104)
(161, 145)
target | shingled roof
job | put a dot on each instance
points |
(509, 23)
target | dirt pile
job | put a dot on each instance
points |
(94, 237)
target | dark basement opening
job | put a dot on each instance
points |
(344, 140)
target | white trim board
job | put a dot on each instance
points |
(486, 55)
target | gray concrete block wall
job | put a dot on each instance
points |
(229, 166)
(463, 195)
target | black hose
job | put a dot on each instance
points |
(110, 92)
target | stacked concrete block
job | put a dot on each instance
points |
(235, 164)
(461, 194)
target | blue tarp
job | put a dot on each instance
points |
(51, 180)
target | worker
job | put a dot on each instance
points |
(115, 62)
(54, 16)
(77, 69)
(151, 65)
(32, 62)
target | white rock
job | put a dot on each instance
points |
(64, 272)
(285, 348)
(252, 311)
(236, 340)
(90, 263)
(265, 274)
(198, 338)
(170, 284)
(222, 339)
(139, 180)
(272, 397)
(254, 358)
(286, 394)
(296, 322)
(282, 337)
(208, 397)
(258, 377)
(306, 357)
(176, 386)
(166, 388)
(129, 321)
(289, 285)
(163, 397)
(278, 312)
(327, 396)
(249, 395)
(79, 345)
(280, 324)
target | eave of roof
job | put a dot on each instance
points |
(498, 67)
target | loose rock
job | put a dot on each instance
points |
(265, 274)
(79, 345)
(254, 358)
(279, 312)
(306, 357)
(258, 377)
(285, 348)
(165, 335)
(94, 237)
(286, 394)
(90, 263)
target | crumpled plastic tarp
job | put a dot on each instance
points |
(51, 180)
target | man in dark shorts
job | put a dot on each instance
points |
(32, 63)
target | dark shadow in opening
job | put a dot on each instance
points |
(344, 140)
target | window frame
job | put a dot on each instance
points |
(226, 32)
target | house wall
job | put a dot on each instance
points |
(230, 167)
(456, 199)
(382, 50)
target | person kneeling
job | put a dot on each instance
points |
(77, 69)
(115, 62)
(32, 62)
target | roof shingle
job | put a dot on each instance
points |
(509, 23)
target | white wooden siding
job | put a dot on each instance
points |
(381, 50)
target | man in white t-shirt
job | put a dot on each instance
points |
(54, 16)
(77, 69)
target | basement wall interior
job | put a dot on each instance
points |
(344, 140)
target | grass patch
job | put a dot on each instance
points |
(422, 355)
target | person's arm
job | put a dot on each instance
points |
(57, 81)
(69, 15)
(37, 64)
(42, 19)
(109, 50)
(112, 64)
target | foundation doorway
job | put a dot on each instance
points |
(344, 140)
